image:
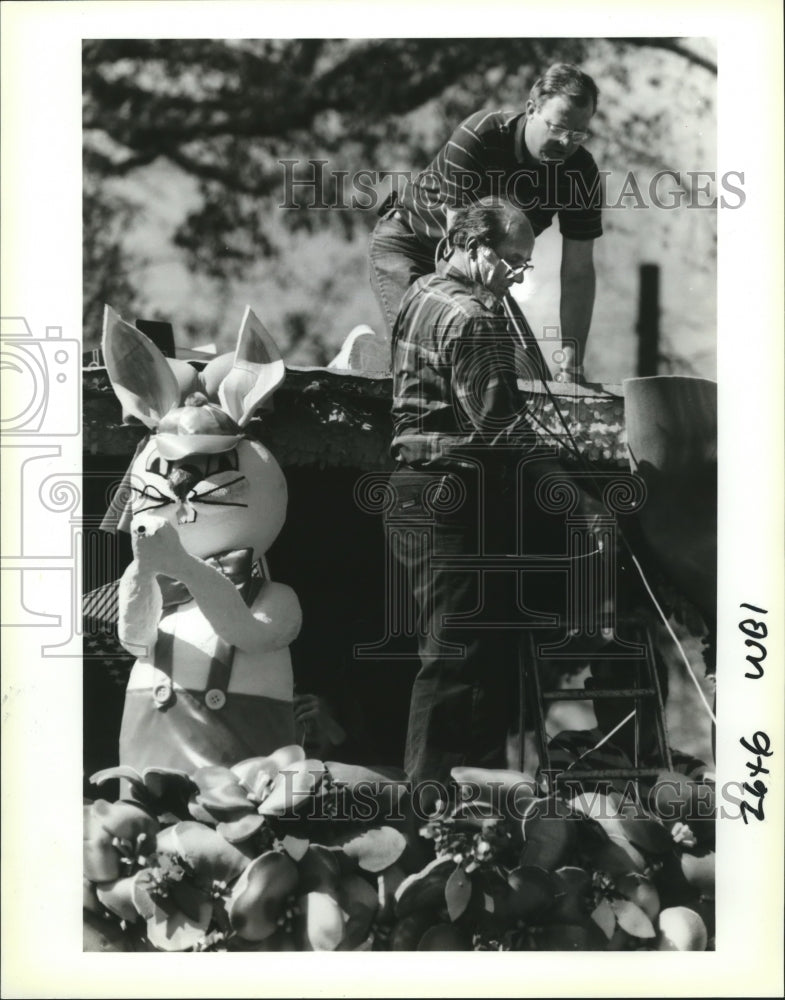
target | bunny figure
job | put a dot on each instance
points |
(212, 682)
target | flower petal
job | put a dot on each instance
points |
(224, 798)
(251, 770)
(168, 782)
(632, 919)
(259, 895)
(128, 821)
(240, 829)
(375, 849)
(143, 882)
(101, 861)
(205, 851)
(118, 898)
(324, 924)
(699, 870)
(319, 870)
(199, 813)
(681, 929)
(359, 903)
(292, 787)
(123, 771)
(508, 792)
(214, 776)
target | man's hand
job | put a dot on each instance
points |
(157, 546)
(313, 712)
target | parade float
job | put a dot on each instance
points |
(190, 848)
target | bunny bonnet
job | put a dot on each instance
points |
(212, 682)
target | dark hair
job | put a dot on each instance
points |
(488, 221)
(565, 80)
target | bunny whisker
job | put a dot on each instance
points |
(216, 503)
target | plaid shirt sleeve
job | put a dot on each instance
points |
(485, 381)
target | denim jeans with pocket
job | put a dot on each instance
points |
(397, 260)
(463, 696)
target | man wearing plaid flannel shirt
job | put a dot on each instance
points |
(460, 425)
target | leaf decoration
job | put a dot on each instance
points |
(605, 918)
(424, 889)
(174, 931)
(632, 919)
(573, 895)
(617, 856)
(532, 891)
(647, 835)
(187, 898)
(375, 849)
(444, 937)
(457, 892)
(408, 931)
(548, 841)
(641, 891)
(571, 937)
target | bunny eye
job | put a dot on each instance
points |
(158, 466)
(225, 461)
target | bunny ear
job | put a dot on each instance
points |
(257, 372)
(140, 375)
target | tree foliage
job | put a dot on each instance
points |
(225, 115)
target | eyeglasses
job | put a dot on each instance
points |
(513, 271)
(519, 270)
(565, 133)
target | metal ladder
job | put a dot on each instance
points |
(627, 665)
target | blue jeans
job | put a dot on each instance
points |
(397, 260)
(463, 698)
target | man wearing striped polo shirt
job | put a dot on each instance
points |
(534, 158)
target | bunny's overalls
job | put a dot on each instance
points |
(167, 723)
